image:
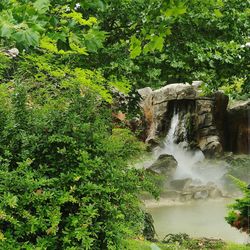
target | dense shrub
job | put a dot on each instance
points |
(64, 180)
(239, 214)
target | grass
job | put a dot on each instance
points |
(234, 246)
(145, 245)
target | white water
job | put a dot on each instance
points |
(191, 164)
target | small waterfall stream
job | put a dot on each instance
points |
(191, 163)
(186, 159)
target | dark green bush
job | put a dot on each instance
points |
(5, 63)
(65, 183)
(239, 214)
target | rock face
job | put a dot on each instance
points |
(184, 190)
(203, 117)
(181, 184)
(165, 165)
(155, 106)
(238, 129)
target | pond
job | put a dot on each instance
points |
(203, 218)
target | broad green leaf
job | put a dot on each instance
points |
(168, 13)
(5, 31)
(94, 39)
(76, 43)
(168, 31)
(135, 47)
(220, 3)
(6, 23)
(48, 44)
(27, 37)
(218, 13)
(156, 43)
(41, 5)
(37, 27)
(180, 11)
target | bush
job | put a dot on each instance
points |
(239, 214)
(5, 63)
(64, 180)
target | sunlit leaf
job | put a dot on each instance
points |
(42, 5)
(135, 47)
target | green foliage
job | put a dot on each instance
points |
(178, 41)
(188, 245)
(145, 43)
(239, 215)
(25, 23)
(5, 64)
(135, 43)
(65, 183)
(149, 229)
(239, 167)
(235, 89)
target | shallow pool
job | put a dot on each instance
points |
(197, 218)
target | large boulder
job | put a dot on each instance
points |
(181, 184)
(148, 110)
(210, 145)
(165, 165)
(176, 91)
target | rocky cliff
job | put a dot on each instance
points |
(210, 125)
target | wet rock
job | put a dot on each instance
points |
(181, 184)
(208, 134)
(171, 194)
(210, 146)
(155, 105)
(186, 196)
(164, 165)
(220, 115)
(215, 193)
(201, 195)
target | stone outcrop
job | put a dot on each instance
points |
(211, 125)
(184, 190)
(155, 106)
(238, 128)
(165, 165)
(204, 117)
(180, 184)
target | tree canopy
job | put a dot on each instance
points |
(133, 44)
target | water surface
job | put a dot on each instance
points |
(198, 219)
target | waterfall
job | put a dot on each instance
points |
(188, 160)
(185, 158)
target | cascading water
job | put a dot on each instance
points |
(188, 160)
